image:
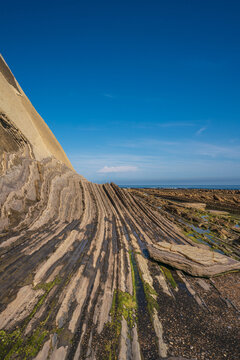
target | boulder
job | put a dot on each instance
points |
(196, 261)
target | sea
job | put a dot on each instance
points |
(214, 187)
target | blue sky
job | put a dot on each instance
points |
(137, 92)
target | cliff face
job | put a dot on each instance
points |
(76, 281)
(17, 109)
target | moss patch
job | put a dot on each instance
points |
(123, 306)
(150, 294)
(15, 345)
(133, 274)
(168, 275)
(149, 291)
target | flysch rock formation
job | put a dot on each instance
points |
(76, 280)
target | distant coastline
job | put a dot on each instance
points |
(209, 187)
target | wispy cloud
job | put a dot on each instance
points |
(110, 96)
(117, 169)
(201, 130)
(185, 148)
(212, 150)
(176, 124)
(144, 143)
(157, 125)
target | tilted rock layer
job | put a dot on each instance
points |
(75, 277)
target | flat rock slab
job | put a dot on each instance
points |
(193, 260)
(218, 212)
(198, 206)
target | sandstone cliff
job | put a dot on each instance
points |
(18, 110)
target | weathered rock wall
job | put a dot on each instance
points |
(18, 109)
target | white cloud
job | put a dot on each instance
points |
(116, 169)
(200, 131)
